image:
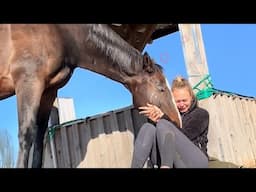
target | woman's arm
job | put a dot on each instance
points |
(152, 112)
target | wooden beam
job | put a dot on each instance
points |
(194, 53)
(163, 31)
(146, 36)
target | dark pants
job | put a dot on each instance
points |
(175, 149)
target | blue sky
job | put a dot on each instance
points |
(231, 57)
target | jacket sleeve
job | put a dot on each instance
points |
(196, 124)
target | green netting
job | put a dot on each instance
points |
(204, 93)
(208, 89)
(52, 129)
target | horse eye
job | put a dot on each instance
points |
(160, 88)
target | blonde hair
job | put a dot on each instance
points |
(180, 82)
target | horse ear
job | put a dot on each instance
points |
(147, 63)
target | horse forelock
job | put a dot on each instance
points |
(153, 65)
(121, 53)
(158, 67)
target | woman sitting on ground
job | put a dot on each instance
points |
(167, 145)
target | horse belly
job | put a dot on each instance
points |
(6, 87)
(61, 78)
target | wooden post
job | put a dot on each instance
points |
(194, 53)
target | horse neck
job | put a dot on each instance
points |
(101, 50)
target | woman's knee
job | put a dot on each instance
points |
(148, 129)
(164, 128)
(164, 125)
(146, 135)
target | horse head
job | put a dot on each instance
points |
(151, 86)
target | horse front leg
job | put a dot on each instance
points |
(28, 94)
(42, 122)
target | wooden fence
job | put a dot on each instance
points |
(232, 131)
(106, 140)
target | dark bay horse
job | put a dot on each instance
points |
(38, 59)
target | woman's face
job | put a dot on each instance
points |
(182, 98)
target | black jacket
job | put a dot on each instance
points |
(195, 124)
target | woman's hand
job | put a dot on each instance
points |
(152, 112)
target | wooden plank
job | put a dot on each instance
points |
(129, 135)
(240, 124)
(58, 145)
(93, 127)
(111, 155)
(93, 147)
(47, 157)
(107, 126)
(70, 144)
(110, 141)
(77, 149)
(243, 143)
(128, 120)
(235, 130)
(65, 147)
(250, 160)
(214, 145)
(126, 143)
(224, 139)
(121, 121)
(252, 127)
(228, 123)
(117, 140)
(129, 123)
(252, 117)
(102, 151)
(86, 138)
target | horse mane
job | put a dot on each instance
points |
(122, 54)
